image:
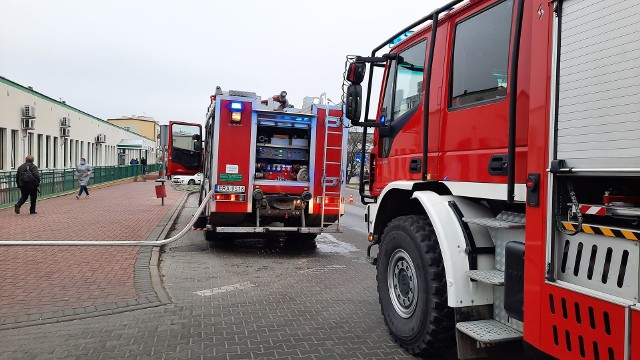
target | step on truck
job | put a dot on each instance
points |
(504, 187)
(275, 171)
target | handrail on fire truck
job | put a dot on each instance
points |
(513, 81)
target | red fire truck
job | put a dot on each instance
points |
(504, 191)
(274, 169)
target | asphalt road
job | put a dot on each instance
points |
(249, 299)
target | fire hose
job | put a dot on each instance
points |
(112, 242)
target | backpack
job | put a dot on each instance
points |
(27, 178)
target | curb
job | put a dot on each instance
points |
(147, 282)
(154, 262)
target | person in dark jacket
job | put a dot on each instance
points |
(28, 180)
(143, 162)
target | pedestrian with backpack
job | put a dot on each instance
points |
(83, 173)
(28, 180)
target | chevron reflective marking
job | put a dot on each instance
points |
(593, 210)
(604, 231)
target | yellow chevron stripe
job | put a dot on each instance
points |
(601, 230)
(607, 232)
(568, 226)
(629, 235)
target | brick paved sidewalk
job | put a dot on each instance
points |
(49, 284)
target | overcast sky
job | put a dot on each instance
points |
(164, 58)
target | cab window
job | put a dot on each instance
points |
(406, 74)
(481, 57)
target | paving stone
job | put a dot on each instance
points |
(291, 313)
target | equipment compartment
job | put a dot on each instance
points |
(283, 149)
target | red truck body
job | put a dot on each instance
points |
(530, 130)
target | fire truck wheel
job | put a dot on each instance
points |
(412, 286)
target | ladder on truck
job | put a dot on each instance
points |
(332, 130)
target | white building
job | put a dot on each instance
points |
(58, 135)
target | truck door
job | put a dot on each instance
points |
(401, 140)
(185, 148)
(475, 124)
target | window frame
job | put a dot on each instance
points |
(391, 118)
(452, 108)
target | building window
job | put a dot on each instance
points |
(14, 148)
(47, 150)
(481, 57)
(40, 158)
(3, 144)
(30, 144)
(65, 152)
(55, 152)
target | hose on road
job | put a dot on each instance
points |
(112, 242)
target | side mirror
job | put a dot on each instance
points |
(354, 104)
(355, 73)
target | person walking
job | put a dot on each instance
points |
(83, 173)
(143, 162)
(28, 180)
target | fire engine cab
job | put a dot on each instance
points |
(273, 169)
(504, 190)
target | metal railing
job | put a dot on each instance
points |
(59, 181)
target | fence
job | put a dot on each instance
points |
(63, 180)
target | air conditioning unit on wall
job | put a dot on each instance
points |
(65, 122)
(28, 124)
(28, 112)
(101, 138)
(65, 132)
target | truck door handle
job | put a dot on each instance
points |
(415, 165)
(498, 164)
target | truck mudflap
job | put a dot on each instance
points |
(270, 229)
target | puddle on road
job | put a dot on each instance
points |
(322, 269)
(227, 288)
(327, 243)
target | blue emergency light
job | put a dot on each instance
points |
(400, 38)
(236, 105)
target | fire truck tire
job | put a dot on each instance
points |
(412, 286)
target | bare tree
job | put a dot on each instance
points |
(354, 148)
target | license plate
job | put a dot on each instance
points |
(230, 189)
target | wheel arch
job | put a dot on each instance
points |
(433, 202)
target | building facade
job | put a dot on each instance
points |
(142, 125)
(58, 135)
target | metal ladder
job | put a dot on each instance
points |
(331, 123)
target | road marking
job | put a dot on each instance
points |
(226, 288)
(322, 269)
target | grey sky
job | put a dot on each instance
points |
(164, 58)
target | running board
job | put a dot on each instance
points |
(489, 331)
(492, 277)
(505, 220)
